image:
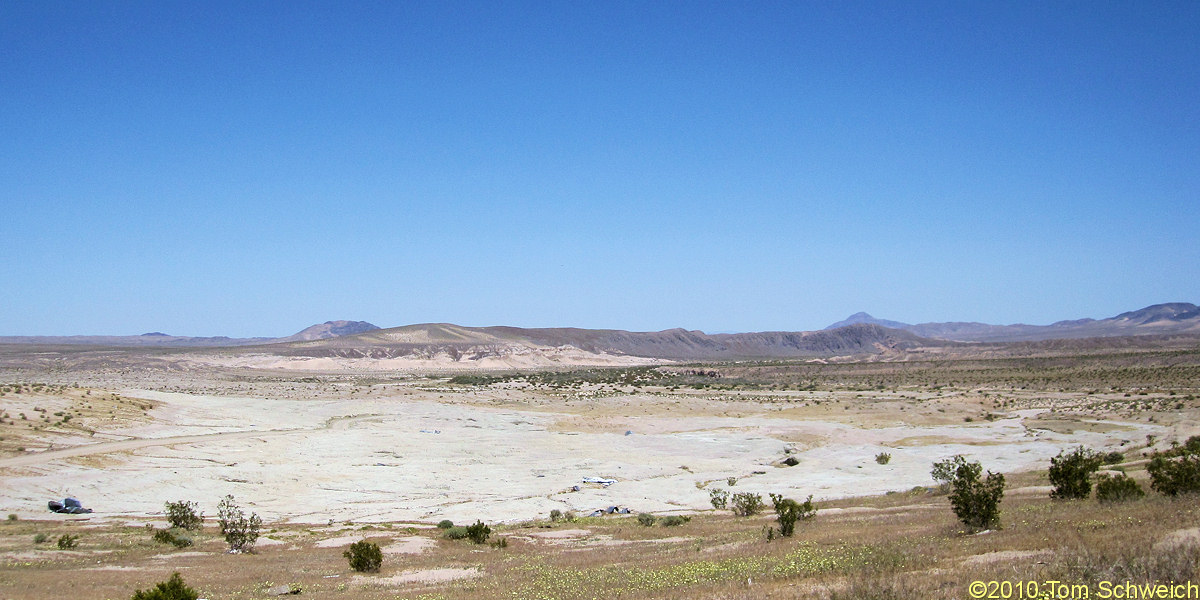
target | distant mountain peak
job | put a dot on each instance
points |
(1170, 311)
(864, 318)
(331, 329)
(155, 334)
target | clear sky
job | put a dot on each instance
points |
(251, 168)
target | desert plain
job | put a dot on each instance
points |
(329, 452)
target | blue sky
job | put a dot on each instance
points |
(251, 168)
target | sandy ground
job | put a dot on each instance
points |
(426, 457)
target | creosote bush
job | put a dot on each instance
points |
(788, 511)
(479, 532)
(447, 523)
(646, 519)
(239, 530)
(172, 589)
(976, 501)
(943, 471)
(40, 538)
(719, 498)
(364, 556)
(67, 541)
(1071, 473)
(1117, 488)
(673, 520)
(183, 515)
(746, 504)
(455, 533)
(556, 515)
(1176, 471)
(883, 458)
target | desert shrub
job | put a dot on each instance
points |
(746, 504)
(183, 515)
(673, 520)
(1117, 488)
(943, 471)
(788, 511)
(1071, 473)
(12, 517)
(569, 516)
(1112, 458)
(732, 481)
(172, 589)
(455, 533)
(976, 501)
(175, 537)
(500, 543)
(239, 530)
(646, 519)
(1176, 471)
(479, 532)
(40, 538)
(556, 515)
(447, 523)
(67, 541)
(768, 532)
(883, 458)
(364, 556)
(719, 498)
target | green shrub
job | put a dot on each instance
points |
(569, 516)
(479, 532)
(455, 533)
(1176, 471)
(445, 524)
(556, 515)
(175, 537)
(719, 498)
(364, 556)
(943, 471)
(171, 589)
(1071, 473)
(12, 517)
(183, 515)
(883, 458)
(768, 532)
(746, 504)
(646, 519)
(673, 520)
(1117, 488)
(239, 530)
(67, 541)
(976, 501)
(500, 543)
(1112, 458)
(40, 538)
(788, 511)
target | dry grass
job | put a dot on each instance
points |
(896, 546)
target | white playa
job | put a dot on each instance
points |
(427, 456)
